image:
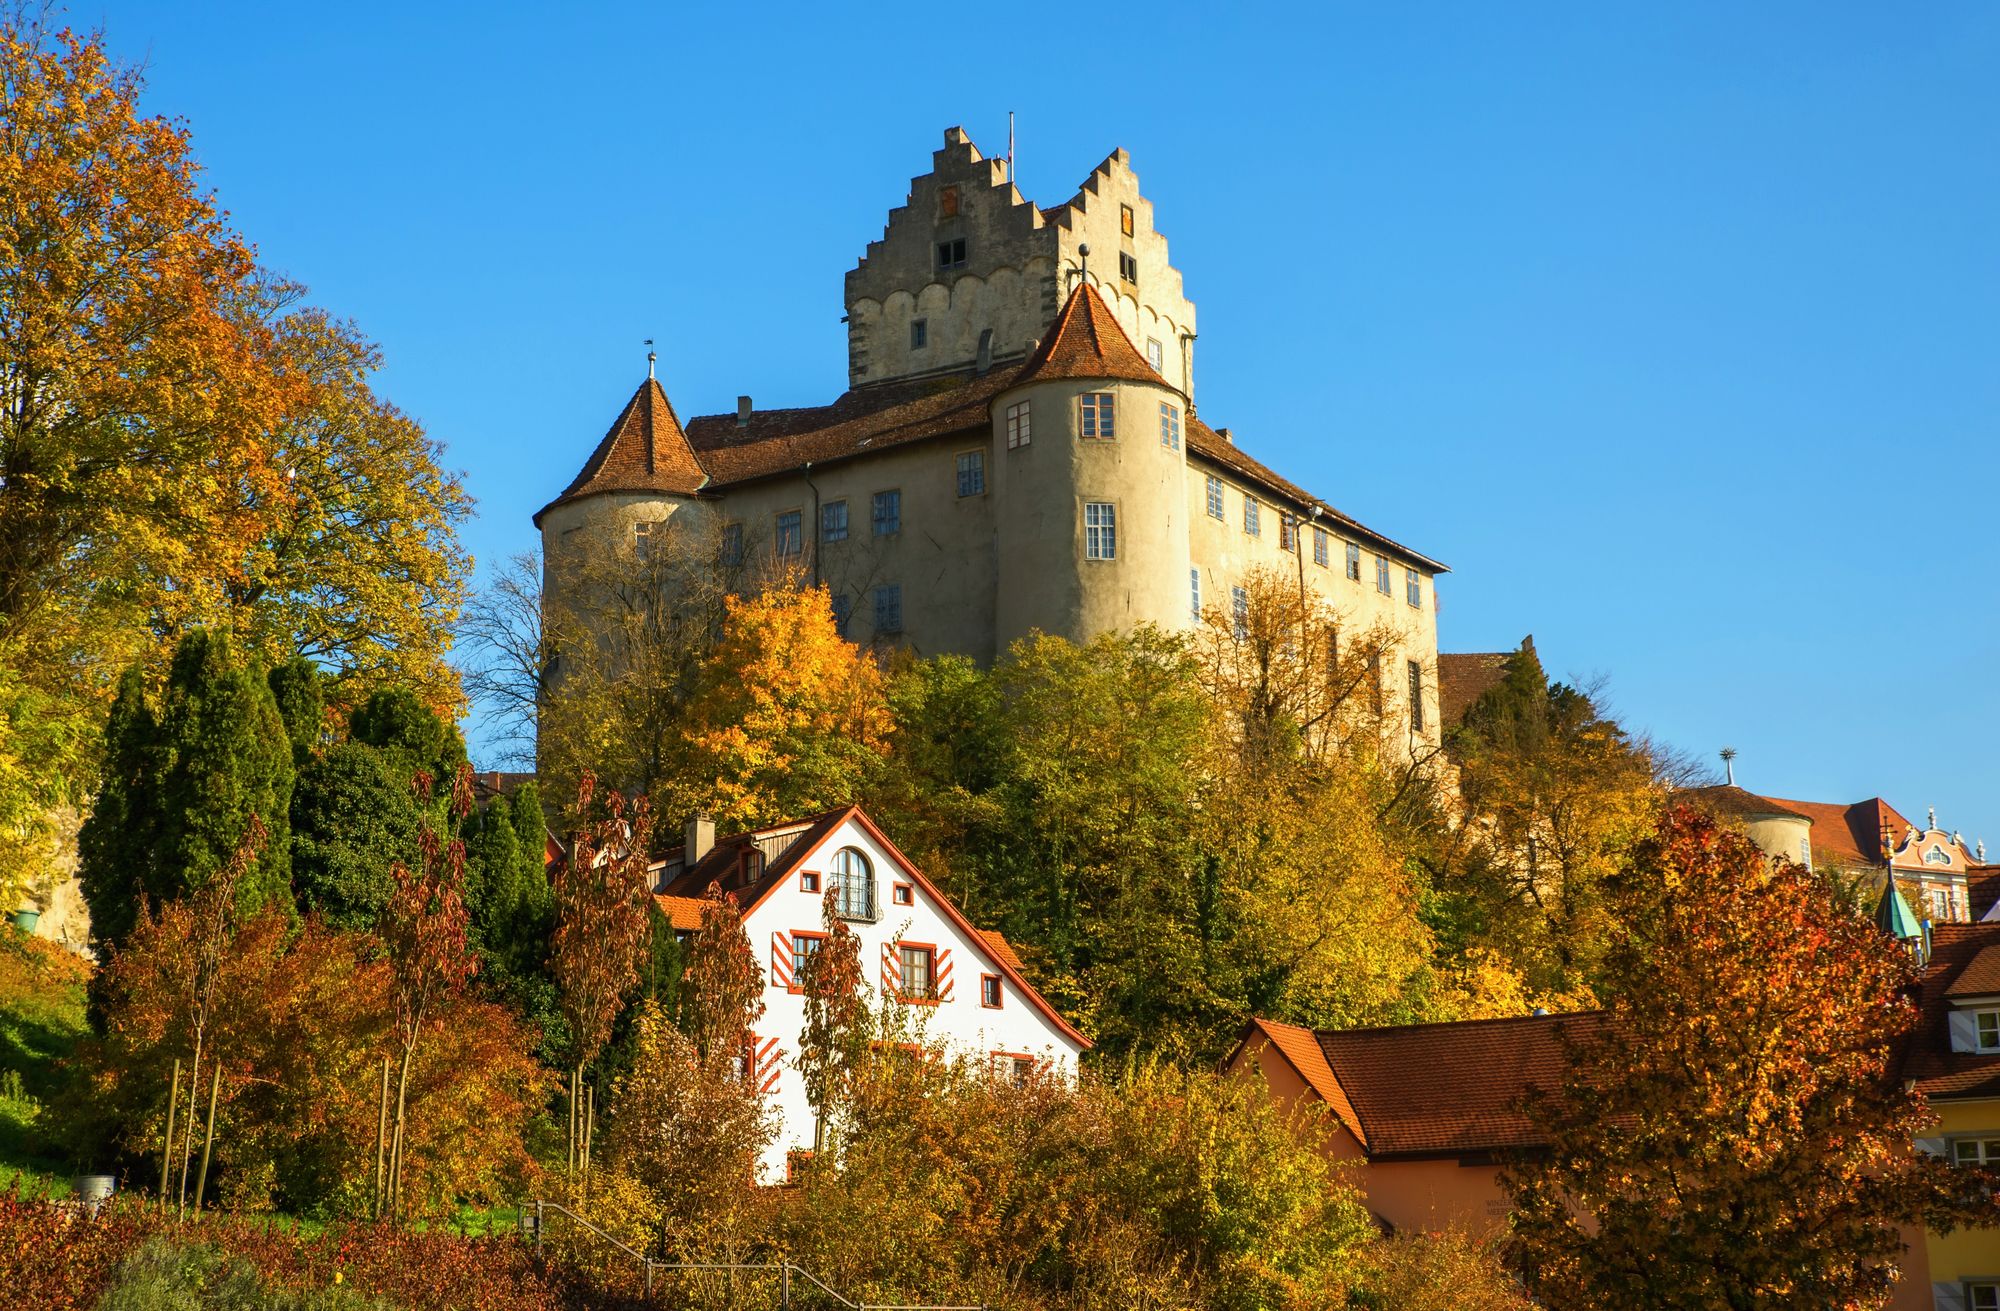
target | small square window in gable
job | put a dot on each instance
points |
(902, 894)
(951, 254)
(1128, 268)
(808, 880)
(990, 995)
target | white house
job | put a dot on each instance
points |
(916, 949)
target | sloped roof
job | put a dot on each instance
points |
(1086, 341)
(1439, 1089)
(1301, 1050)
(1958, 951)
(1729, 800)
(646, 450)
(1981, 975)
(1003, 950)
(1464, 677)
(1851, 833)
(1982, 885)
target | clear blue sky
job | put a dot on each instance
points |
(1673, 329)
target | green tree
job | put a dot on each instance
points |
(1730, 1134)
(297, 687)
(354, 818)
(188, 782)
(397, 721)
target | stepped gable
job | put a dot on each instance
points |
(1086, 342)
(646, 450)
(1965, 961)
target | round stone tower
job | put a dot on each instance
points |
(1090, 485)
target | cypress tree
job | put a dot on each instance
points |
(301, 698)
(393, 720)
(117, 841)
(353, 817)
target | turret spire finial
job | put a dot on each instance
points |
(1728, 755)
(651, 359)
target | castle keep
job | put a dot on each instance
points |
(1018, 450)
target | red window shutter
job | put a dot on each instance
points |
(781, 958)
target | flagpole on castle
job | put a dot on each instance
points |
(1010, 145)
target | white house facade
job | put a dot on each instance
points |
(956, 986)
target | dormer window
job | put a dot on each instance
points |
(951, 254)
(1986, 1031)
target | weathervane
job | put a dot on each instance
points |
(651, 358)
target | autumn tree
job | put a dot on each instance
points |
(835, 1038)
(725, 987)
(1732, 1136)
(603, 905)
(182, 784)
(424, 929)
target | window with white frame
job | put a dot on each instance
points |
(1982, 1297)
(1382, 575)
(1100, 530)
(833, 521)
(1413, 587)
(1354, 562)
(1194, 593)
(1170, 426)
(1239, 611)
(1322, 546)
(791, 540)
(972, 473)
(854, 884)
(1986, 1031)
(1214, 497)
(1156, 354)
(1018, 416)
(889, 608)
(919, 981)
(1094, 416)
(1128, 268)
(1976, 1151)
(804, 944)
(1251, 520)
(1286, 527)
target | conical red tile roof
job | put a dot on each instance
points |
(1086, 342)
(645, 451)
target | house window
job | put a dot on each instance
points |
(804, 944)
(732, 544)
(886, 513)
(1170, 426)
(1416, 696)
(1156, 355)
(902, 894)
(1986, 1031)
(1125, 219)
(947, 202)
(1194, 594)
(1095, 410)
(972, 473)
(791, 540)
(1354, 562)
(1285, 530)
(1018, 425)
(1982, 1297)
(919, 979)
(1382, 574)
(833, 521)
(1100, 531)
(889, 608)
(1976, 1151)
(1214, 497)
(1128, 268)
(843, 610)
(809, 880)
(1239, 610)
(1413, 587)
(642, 537)
(989, 991)
(951, 254)
(1321, 546)
(920, 333)
(1017, 1068)
(1251, 512)
(854, 882)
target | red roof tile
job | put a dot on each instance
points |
(1003, 950)
(1982, 883)
(1439, 1089)
(1981, 975)
(1086, 341)
(1729, 800)
(646, 450)
(1465, 677)
(1957, 951)
(1301, 1050)
(1851, 833)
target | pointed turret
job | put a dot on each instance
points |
(1895, 918)
(646, 450)
(1086, 342)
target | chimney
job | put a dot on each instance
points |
(700, 839)
(742, 411)
(1226, 435)
(985, 360)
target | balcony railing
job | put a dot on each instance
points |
(855, 900)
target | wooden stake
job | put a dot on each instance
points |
(589, 1131)
(187, 1133)
(382, 1140)
(167, 1151)
(208, 1138)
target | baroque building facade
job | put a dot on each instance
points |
(1018, 450)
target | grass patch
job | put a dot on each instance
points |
(41, 1018)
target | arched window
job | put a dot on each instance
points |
(855, 878)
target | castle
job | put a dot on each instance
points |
(1018, 450)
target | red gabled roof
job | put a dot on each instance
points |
(1439, 1089)
(646, 450)
(1301, 1050)
(1086, 341)
(1852, 833)
(1959, 952)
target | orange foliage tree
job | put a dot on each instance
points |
(835, 1039)
(1734, 1137)
(789, 718)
